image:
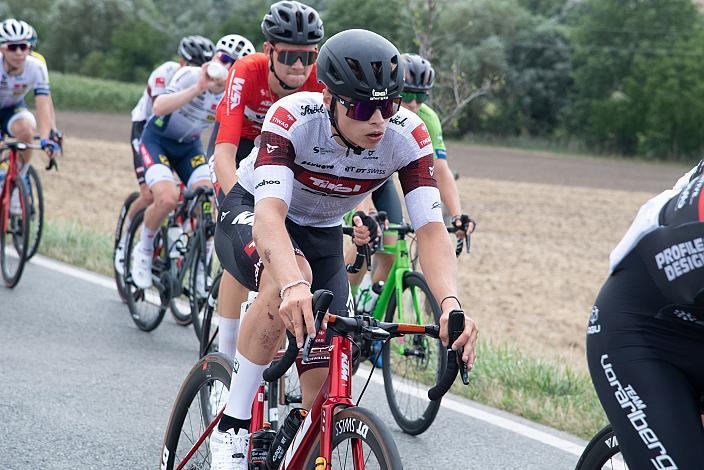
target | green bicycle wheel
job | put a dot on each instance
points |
(412, 364)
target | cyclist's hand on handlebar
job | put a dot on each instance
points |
(467, 340)
(296, 311)
(366, 229)
(50, 147)
(464, 225)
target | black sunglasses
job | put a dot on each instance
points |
(14, 47)
(363, 110)
(289, 57)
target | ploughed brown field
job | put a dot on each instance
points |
(546, 227)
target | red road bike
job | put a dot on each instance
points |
(336, 433)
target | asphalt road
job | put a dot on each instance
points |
(82, 387)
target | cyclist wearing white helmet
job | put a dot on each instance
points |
(192, 50)
(20, 73)
(233, 47)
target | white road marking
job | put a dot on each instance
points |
(449, 402)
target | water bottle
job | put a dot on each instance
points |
(174, 234)
(284, 437)
(259, 445)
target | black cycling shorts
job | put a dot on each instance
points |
(386, 199)
(321, 247)
(646, 360)
(135, 137)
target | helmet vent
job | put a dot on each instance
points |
(356, 69)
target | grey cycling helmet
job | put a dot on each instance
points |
(12, 30)
(360, 65)
(293, 23)
(33, 38)
(235, 46)
(419, 74)
(196, 50)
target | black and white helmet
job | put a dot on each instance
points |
(196, 50)
(12, 30)
(419, 74)
(235, 46)
(292, 22)
(360, 65)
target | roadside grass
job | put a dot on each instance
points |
(77, 244)
(77, 93)
(539, 389)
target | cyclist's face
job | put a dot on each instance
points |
(366, 134)
(294, 75)
(412, 106)
(15, 54)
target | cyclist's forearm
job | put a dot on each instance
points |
(437, 260)
(170, 102)
(448, 188)
(45, 115)
(225, 165)
(272, 241)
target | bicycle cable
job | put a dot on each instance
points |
(376, 359)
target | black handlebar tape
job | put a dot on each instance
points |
(279, 368)
(321, 302)
(448, 377)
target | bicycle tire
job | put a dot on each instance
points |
(208, 370)
(410, 425)
(601, 452)
(205, 324)
(359, 424)
(17, 231)
(36, 215)
(144, 321)
(119, 232)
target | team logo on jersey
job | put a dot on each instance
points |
(283, 118)
(431, 169)
(421, 135)
(146, 158)
(235, 91)
(270, 148)
(164, 160)
(160, 82)
(250, 248)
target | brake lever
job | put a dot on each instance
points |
(455, 326)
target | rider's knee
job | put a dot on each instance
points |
(23, 129)
(146, 194)
(166, 200)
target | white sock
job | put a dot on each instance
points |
(146, 243)
(227, 335)
(246, 377)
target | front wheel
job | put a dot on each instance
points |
(14, 233)
(119, 234)
(35, 197)
(602, 453)
(202, 394)
(412, 364)
(360, 440)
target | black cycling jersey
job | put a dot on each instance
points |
(645, 338)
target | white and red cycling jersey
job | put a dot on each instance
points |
(13, 88)
(248, 98)
(156, 85)
(299, 162)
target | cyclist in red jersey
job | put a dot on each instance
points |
(254, 83)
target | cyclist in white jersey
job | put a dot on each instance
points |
(192, 50)
(21, 73)
(171, 139)
(288, 203)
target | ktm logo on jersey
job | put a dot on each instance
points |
(283, 118)
(270, 148)
(421, 135)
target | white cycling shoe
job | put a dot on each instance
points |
(141, 268)
(15, 206)
(219, 394)
(120, 256)
(229, 449)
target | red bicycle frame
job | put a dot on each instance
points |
(11, 174)
(336, 392)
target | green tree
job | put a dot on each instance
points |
(610, 38)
